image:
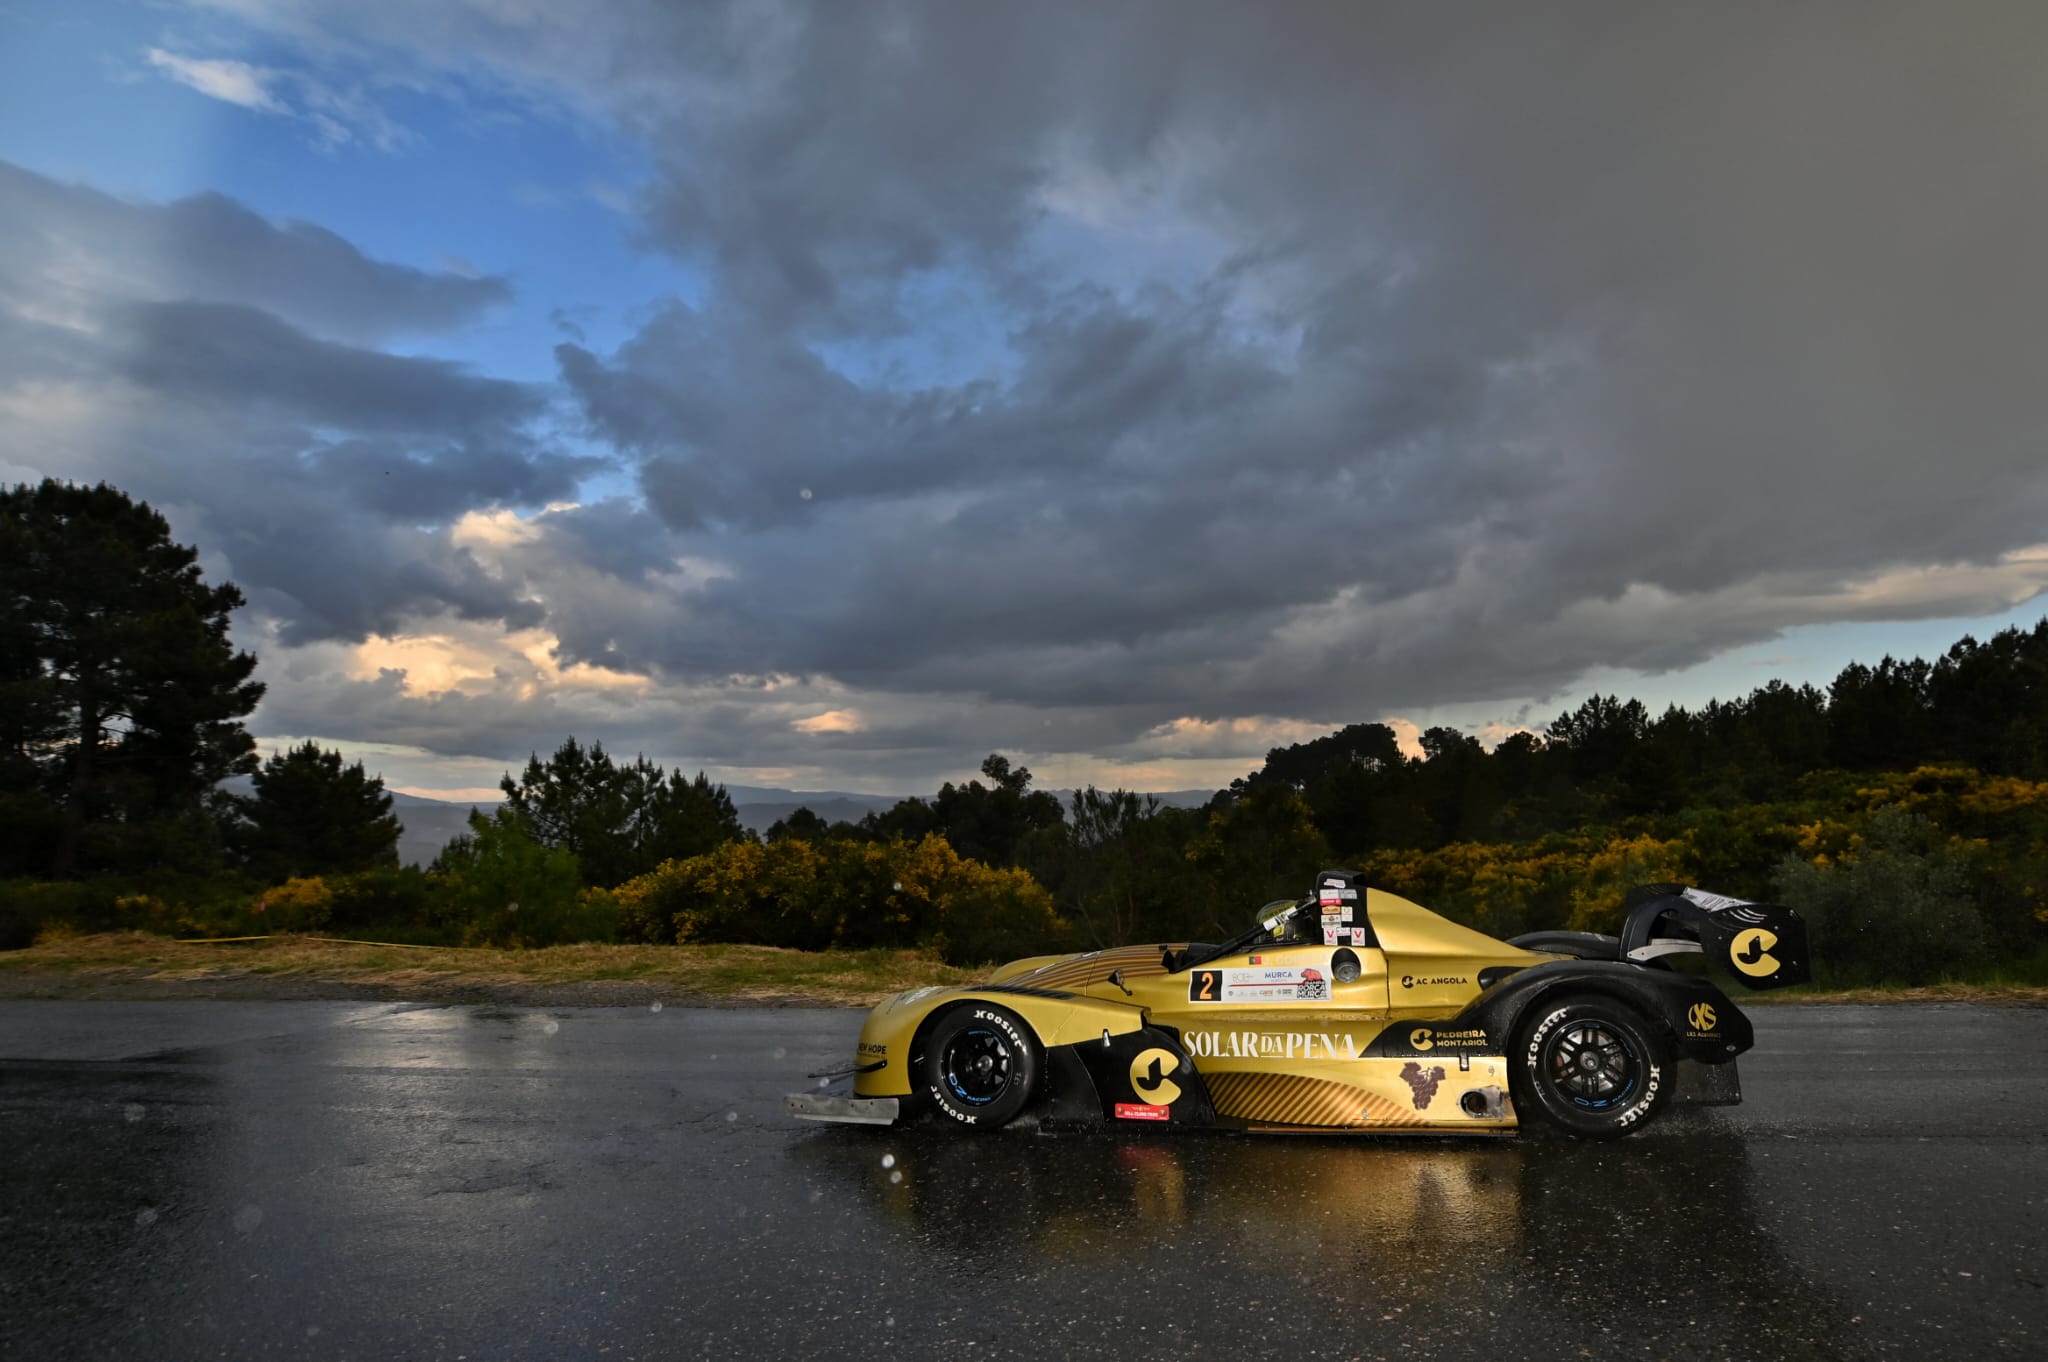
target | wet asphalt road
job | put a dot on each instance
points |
(335, 1180)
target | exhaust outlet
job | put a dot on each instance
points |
(1482, 1102)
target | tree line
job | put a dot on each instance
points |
(1905, 806)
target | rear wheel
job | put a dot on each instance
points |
(1591, 1065)
(980, 1065)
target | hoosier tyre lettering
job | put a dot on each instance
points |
(980, 1065)
(1592, 1066)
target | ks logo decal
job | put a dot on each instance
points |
(1701, 1017)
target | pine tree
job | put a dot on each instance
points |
(311, 815)
(121, 696)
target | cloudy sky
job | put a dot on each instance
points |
(827, 396)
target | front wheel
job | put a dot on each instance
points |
(980, 1065)
(1592, 1066)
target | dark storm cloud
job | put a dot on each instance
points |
(323, 475)
(913, 139)
(210, 247)
(1062, 370)
(323, 576)
(244, 357)
(425, 482)
(734, 423)
(1503, 320)
(615, 537)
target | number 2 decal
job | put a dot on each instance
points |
(1205, 986)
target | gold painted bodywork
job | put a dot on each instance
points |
(1267, 1059)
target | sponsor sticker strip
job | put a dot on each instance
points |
(1272, 984)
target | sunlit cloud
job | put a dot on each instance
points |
(494, 529)
(475, 660)
(831, 721)
(1407, 736)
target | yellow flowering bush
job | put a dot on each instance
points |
(842, 894)
(297, 905)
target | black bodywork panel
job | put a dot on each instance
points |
(1141, 1072)
(1580, 945)
(1702, 1022)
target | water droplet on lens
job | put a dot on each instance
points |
(732, 1116)
(888, 1160)
(897, 886)
(312, 1331)
(896, 1176)
(654, 1007)
(146, 1216)
(889, 1322)
(805, 494)
(781, 1052)
(248, 1218)
(134, 1111)
(551, 1026)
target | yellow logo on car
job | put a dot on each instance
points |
(1749, 952)
(1701, 1017)
(1422, 1038)
(1149, 1076)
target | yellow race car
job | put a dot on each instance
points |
(1350, 1009)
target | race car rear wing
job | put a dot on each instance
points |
(1763, 944)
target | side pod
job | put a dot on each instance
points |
(1702, 1022)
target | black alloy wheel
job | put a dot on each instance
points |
(1591, 1065)
(980, 1065)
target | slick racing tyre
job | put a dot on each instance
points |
(1592, 1066)
(980, 1065)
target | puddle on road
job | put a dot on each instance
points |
(1653, 1235)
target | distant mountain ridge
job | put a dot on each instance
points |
(427, 824)
(430, 824)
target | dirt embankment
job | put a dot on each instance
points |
(135, 965)
(138, 966)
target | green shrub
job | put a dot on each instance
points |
(501, 887)
(390, 899)
(170, 905)
(29, 906)
(1896, 907)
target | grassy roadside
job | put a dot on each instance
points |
(1945, 992)
(139, 965)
